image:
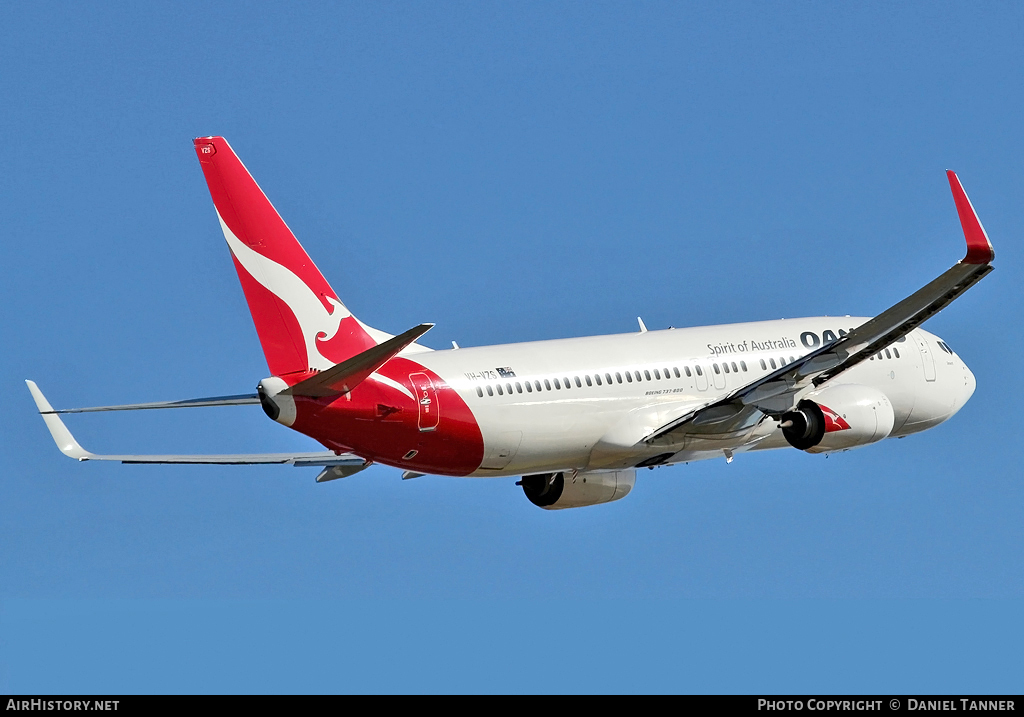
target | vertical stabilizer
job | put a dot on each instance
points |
(301, 322)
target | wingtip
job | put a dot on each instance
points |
(979, 247)
(66, 443)
(41, 403)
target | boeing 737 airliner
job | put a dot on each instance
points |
(575, 418)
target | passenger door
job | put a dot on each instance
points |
(927, 360)
(426, 401)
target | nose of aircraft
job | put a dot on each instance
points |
(965, 390)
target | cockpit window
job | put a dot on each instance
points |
(945, 347)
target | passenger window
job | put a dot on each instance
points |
(490, 392)
(734, 369)
(896, 351)
(547, 384)
(763, 366)
(618, 377)
(887, 354)
(500, 392)
(597, 378)
(675, 370)
(608, 379)
(647, 374)
(558, 385)
(773, 363)
(725, 365)
(589, 382)
(579, 384)
(699, 372)
(743, 365)
(687, 369)
(529, 387)
(479, 392)
(791, 359)
(629, 377)
(566, 382)
(657, 374)
(519, 387)
(537, 385)
(638, 377)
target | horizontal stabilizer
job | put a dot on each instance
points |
(244, 399)
(71, 448)
(345, 376)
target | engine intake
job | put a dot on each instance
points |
(555, 491)
(805, 427)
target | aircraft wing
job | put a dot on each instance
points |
(337, 466)
(775, 393)
(244, 399)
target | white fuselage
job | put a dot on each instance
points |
(578, 419)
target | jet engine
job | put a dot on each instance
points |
(836, 418)
(554, 491)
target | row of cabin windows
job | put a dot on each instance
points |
(596, 378)
(782, 362)
(725, 367)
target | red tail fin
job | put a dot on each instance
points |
(300, 320)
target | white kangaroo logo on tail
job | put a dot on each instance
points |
(314, 320)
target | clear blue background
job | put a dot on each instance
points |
(513, 172)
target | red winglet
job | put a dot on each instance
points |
(979, 248)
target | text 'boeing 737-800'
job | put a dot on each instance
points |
(576, 417)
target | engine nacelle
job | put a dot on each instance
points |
(836, 418)
(554, 491)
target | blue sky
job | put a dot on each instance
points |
(511, 172)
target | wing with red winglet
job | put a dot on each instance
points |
(778, 391)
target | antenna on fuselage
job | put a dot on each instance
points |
(643, 327)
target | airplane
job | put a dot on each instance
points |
(574, 418)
